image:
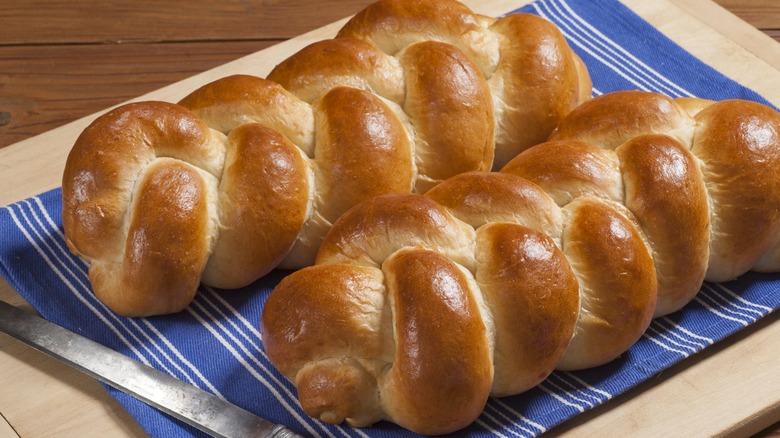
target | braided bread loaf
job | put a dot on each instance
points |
(246, 174)
(422, 306)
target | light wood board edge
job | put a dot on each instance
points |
(42, 397)
(6, 431)
(734, 48)
(731, 389)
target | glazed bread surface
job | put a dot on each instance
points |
(407, 95)
(558, 261)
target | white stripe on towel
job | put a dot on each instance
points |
(52, 235)
(606, 51)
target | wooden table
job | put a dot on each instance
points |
(61, 61)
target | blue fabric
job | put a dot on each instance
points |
(215, 344)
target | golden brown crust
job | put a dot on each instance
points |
(534, 77)
(298, 323)
(570, 286)
(693, 105)
(362, 151)
(569, 169)
(705, 183)
(234, 100)
(301, 337)
(107, 158)
(452, 137)
(665, 191)
(458, 76)
(373, 230)
(263, 196)
(338, 390)
(394, 24)
(478, 198)
(398, 102)
(115, 163)
(616, 278)
(533, 51)
(533, 298)
(737, 145)
(611, 119)
(170, 231)
(378, 328)
(519, 283)
(442, 371)
(350, 62)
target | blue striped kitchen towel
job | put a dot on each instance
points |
(215, 343)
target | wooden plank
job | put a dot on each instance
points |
(704, 395)
(759, 13)
(63, 63)
(6, 431)
(95, 21)
(87, 409)
(66, 60)
(737, 50)
(43, 397)
(48, 86)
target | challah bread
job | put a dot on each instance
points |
(706, 191)
(516, 74)
(278, 160)
(560, 260)
(118, 197)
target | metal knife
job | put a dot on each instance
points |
(188, 403)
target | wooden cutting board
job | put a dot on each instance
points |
(732, 388)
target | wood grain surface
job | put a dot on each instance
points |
(63, 60)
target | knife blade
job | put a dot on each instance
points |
(188, 403)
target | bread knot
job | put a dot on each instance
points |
(426, 305)
(407, 95)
